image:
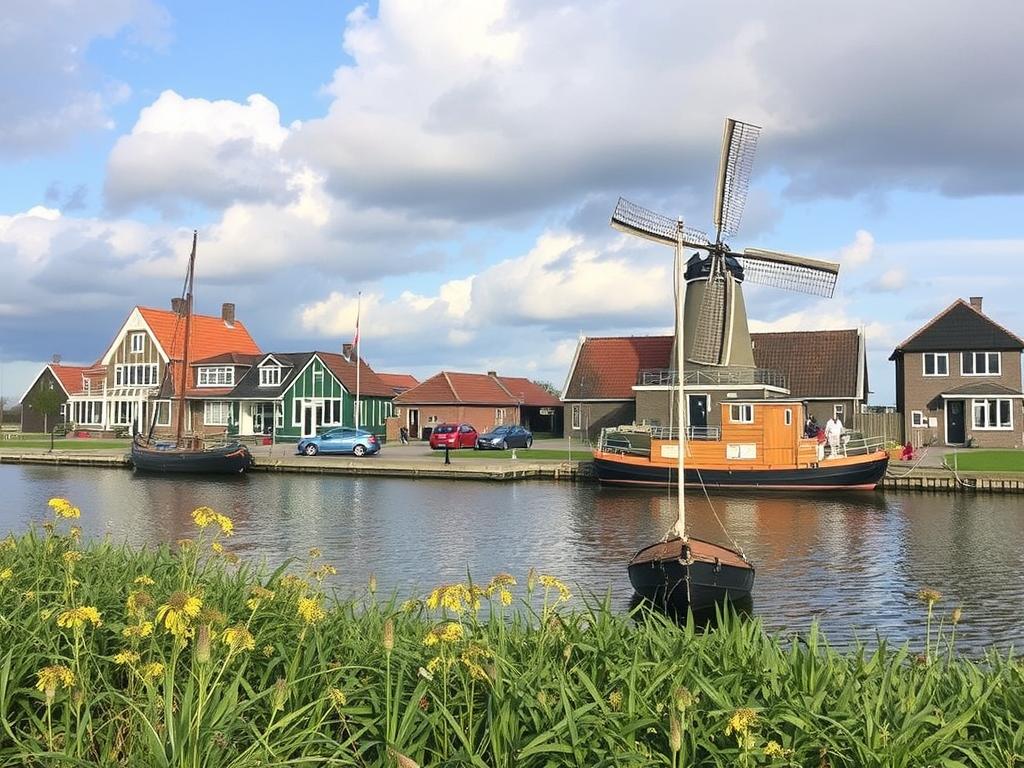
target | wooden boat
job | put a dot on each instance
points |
(759, 445)
(681, 574)
(187, 454)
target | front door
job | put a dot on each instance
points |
(698, 412)
(312, 417)
(414, 423)
(955, 434)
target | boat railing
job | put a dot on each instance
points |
(669, 377)
(856, 444)
(692, 433)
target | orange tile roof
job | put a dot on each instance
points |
(478, 389)
(398, 381)
(210, 335)
(608, 367)
(345, 370)
(70, 376)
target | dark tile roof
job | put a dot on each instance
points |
(233, 358)
(815, 363)
(982, 388)
(399, 382)
(249, 385)
(959, 327)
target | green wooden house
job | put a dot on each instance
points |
(292, 395)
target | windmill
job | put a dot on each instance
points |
(714, 325)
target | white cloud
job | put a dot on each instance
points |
(860, 251)
(891, 280)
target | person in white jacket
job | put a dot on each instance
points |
(833, 434)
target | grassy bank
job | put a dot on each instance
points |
(63, 444)
(184, 656)
(986, 461)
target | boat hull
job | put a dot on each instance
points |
(224, 460)
(862, 473)
(694, 575)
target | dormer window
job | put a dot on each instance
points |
(217, 376)
(270, 375)
(138, 342)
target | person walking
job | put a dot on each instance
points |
(834, 434)
(403, 434)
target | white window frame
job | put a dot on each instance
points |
(741, 413)
(987, 357)
(91, 412)
(838, 411)
(788, 417)
(122, 412)
(137, 342)
(985, 406)
(136, 375)
(918, 420)
(159, 409)
(279, 415)
(577, 415)
(935, 363)
(499, 417)
(221, 419)
(270, 375)
(216, 376)
(298, 405)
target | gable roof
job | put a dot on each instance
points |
(210, 335)
(816, 363)
(822, 364)
(399, 382)
(345, 369)
(449, 387)
(959, 327)
(606, 368)
(248, 384)
(69, 377)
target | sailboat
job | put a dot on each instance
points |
(187, 454)
(683, 572)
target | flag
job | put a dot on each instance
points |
(355, 339)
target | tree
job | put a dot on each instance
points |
(46, 401)
(548, 387)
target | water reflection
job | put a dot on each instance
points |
(853, 561)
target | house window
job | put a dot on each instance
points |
(297, 413)
(993, 414)
(979, 363)
(279, 415)
(216, 413)
(218, 376)
(741, 414)
(789, 416)
(270, 376)
(499, 416)
(162, 415)
(838, 411)
(138, 375)
(577, 416)
(936, 364)
(124, 412)
(332, 411)
(138, 342)
(89, 412)
(917, 419)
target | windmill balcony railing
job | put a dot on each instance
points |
(669, 377)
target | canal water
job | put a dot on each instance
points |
(854, 561)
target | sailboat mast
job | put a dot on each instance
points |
(681, 420)
(180, 428)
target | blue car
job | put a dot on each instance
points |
(505, 437)
(340, 440)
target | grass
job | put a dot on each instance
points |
(986, 461)
(532, 454)
(184, 656)
(63, 444)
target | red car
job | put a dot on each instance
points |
(453, 436)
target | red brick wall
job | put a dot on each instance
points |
(482, 417)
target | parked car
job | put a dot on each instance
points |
(453, 436)
(502, 438)
(340, 440)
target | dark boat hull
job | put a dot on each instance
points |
(224, 460)
(695, 576)
(862, 475)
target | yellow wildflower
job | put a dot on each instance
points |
(323, 572)
(177, 612)
(238, 638)
(6, 574)
(204, 516)
(64, 508)
(126, 657)
(449, 632)
(472, 657)
(217, 547)
(144, 581)
(138, 631)
(268, 650)
(309, 610)
(314, 553)
(337, 697)
(29, 594)
(292, 582)
(683, 698)
(456, 598)
(775, 750)
(49, 678)
(615, 700)
(71, 557)
(741, 721)
(138, 602)
(75, 532)
(411, 605)
(929, 596)
(550, 582)
(259, 595)
(152, 670)
(78, 617)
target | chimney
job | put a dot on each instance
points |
(227, 314)
(178, 305)
(976, 302)
(56, 359)
(346, 351)
(493, 374)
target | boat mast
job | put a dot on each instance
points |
(184, 348)
(680, 527)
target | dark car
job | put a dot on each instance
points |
(340, 440)
(453, 436)
(501, 438)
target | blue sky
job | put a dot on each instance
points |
(457, 163)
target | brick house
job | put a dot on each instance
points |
(958, 380)
(477, 399)
(618, 380)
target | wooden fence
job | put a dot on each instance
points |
(885, 425)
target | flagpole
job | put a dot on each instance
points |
(359, 303)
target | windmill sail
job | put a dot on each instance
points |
(793, 273)
(739, 143)
(634, 219)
